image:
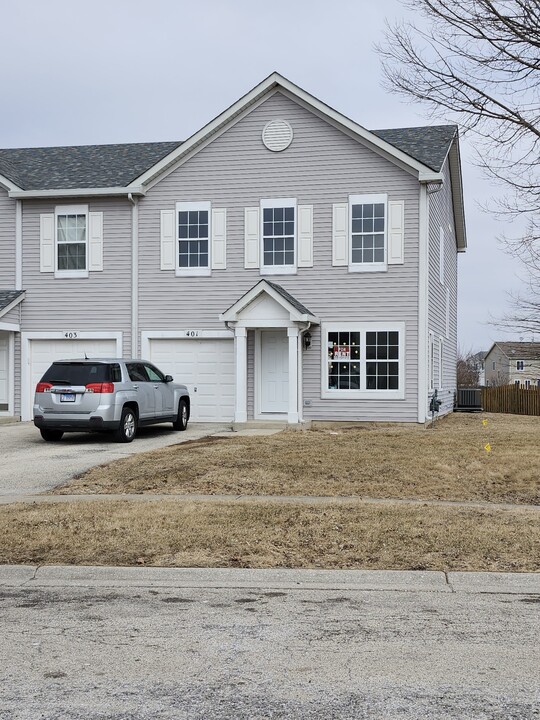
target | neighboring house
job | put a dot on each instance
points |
(509, 363)
(479, 362)
(284, 262)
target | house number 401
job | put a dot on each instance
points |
(192, 333)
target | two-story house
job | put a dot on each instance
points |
(513, 363)
(284, 262)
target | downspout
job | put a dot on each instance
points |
(134, 275)
(18, 245)
(301, 373)
(423, 297)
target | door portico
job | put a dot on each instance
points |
(279, 321)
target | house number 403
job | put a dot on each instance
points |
(71, 334)
(192, 333)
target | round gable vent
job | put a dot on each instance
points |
(277, 135)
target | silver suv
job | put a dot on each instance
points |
(110, 394)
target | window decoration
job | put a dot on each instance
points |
(193, 238)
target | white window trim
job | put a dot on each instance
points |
(441, 364)
(375, 266)
(278, 269)
(69, 210)
(362, 328)
(196, 271)
(520, 369)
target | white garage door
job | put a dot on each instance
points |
(206, 367)
(43, 352)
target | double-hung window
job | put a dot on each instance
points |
(368, 232)
(193, 233)
(363, 360)
(520, 365)
(278, 236)
(71, 231)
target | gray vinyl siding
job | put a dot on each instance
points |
(99, 303)
(13, 316)
(321, 167)
(441, 215)
(7, 241)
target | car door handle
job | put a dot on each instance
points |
(156, 386)
(135, 387)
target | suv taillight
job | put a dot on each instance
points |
(43, 387)
(106, 387)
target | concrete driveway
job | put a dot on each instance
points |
(29, 465)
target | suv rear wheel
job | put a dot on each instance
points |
(128, 426)
(182, 418)
(51, 435)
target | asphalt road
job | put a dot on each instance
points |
(266, 650)
(30, 465)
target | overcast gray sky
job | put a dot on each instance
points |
(111, 71)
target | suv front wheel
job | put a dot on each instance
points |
(128, 426)
(182, 418)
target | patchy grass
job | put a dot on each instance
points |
(266, 535)
(384, 460)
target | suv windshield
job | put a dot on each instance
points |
(78, 373)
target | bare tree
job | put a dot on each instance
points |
(477, 62)
(468, 370)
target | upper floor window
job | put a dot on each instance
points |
(71, 240)
(278, 236)
(367, 241)
(520, 365)
(193, 224)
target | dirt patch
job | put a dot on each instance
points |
(198, 534)
(447, 462)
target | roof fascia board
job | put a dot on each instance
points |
(77, 192)
(183, 157)
(263, 287)
(275, 82)
(224, 118)
(456, 183)
(12, 304)
(8, 185)
(357, 132)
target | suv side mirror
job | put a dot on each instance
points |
(168, 378)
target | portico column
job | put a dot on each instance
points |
(240, 359)
(292, 415)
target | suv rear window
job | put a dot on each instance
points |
(79, 373)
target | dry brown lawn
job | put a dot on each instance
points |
(263, 535)
(381, 460)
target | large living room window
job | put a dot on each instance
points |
(367, 241)
(278, 236)
(363, 360)
(72, 240)
(193, 226)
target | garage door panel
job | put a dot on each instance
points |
(44, 352)
(207, 368)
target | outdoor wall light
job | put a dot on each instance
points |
(306, 340)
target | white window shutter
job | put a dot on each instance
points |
(168, 257)
(46, 242)
(340, 234)
(219, 239)
(396, 232)
(251, 237)
(305, 236)
(95, 241)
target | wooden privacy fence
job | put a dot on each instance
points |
(511, 399)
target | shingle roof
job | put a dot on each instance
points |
(521, 349)
(101, 166)
(429, 145)
(8, 296)
(83, 166)
(289, 298)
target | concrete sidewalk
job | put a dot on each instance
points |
(47, 576)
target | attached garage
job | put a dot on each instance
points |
(206, 366)
(41, 352)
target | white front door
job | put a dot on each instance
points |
(274, 372)
(4, 371)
